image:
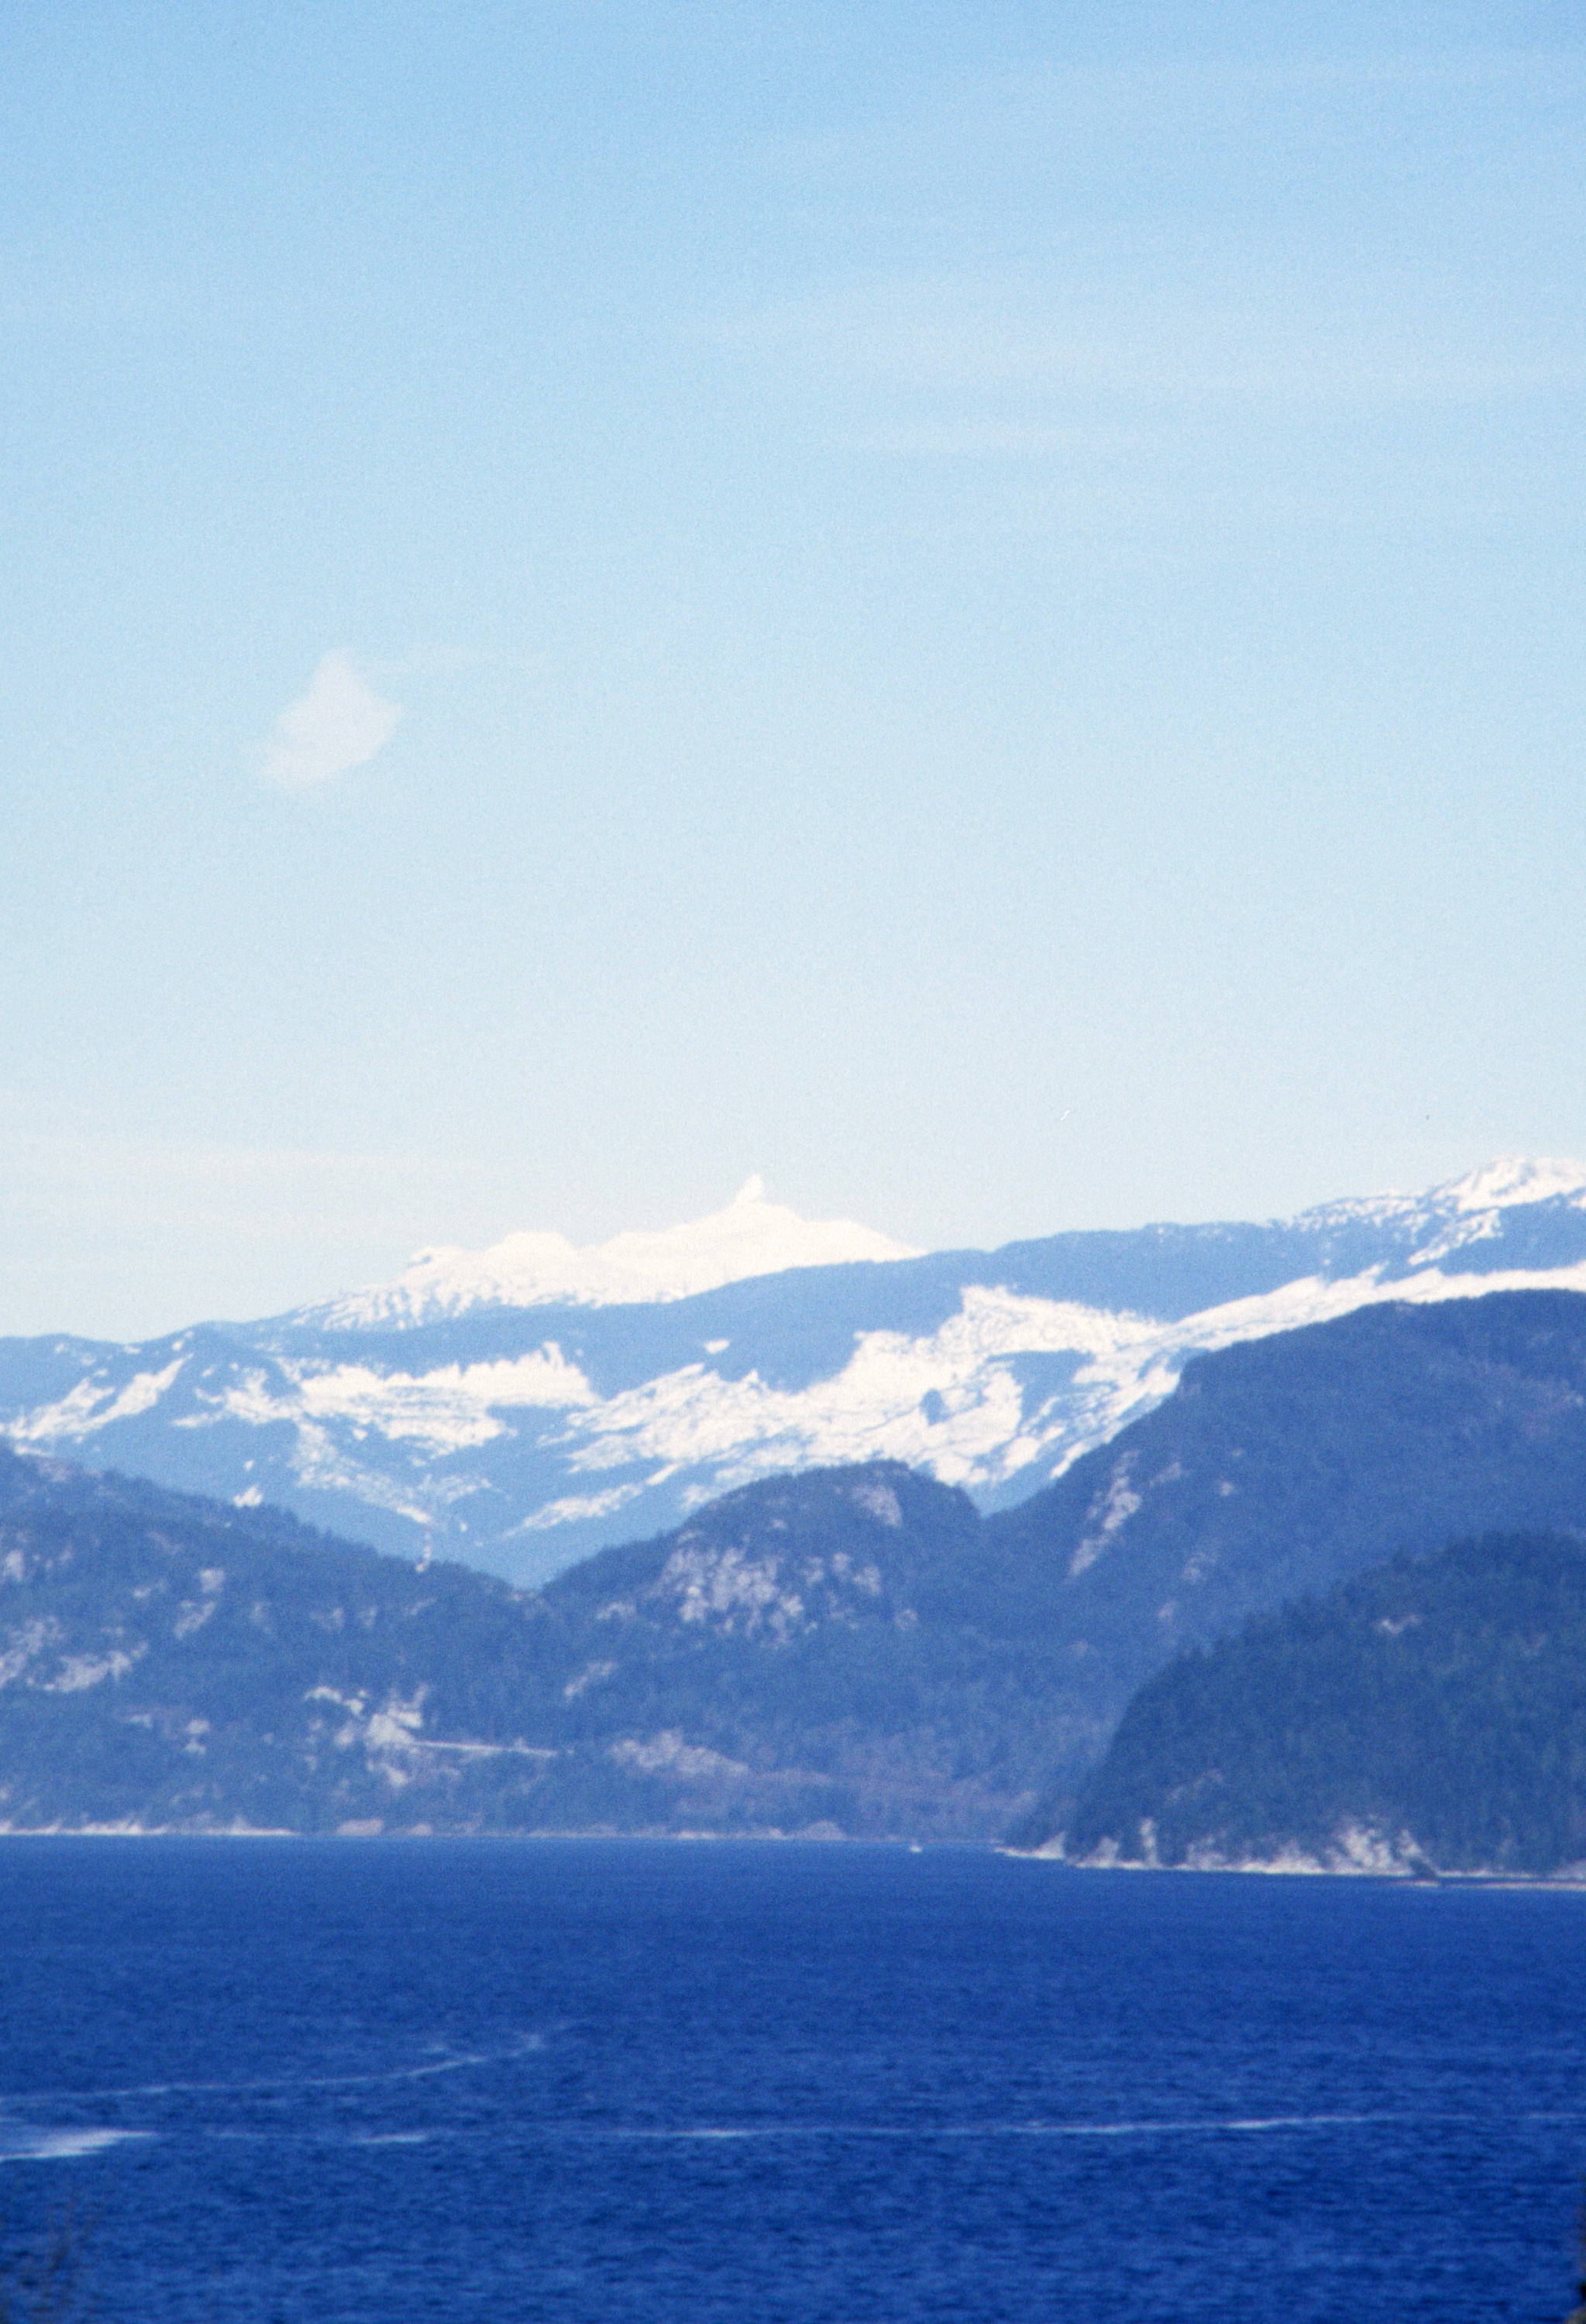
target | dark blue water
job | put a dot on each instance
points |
(674, 2083)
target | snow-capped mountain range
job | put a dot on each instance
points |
(518, 1408)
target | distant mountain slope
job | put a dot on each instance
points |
(167, 1663)
(519, 1436)
(1285, 1466)
(1424, 1716)
(1177, 1270)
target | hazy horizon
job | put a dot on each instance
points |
(635, 1247)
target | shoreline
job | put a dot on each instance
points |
(1421, 1875)
(1570, 1881)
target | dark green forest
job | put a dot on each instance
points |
(1430, 1715)
(774, 1666)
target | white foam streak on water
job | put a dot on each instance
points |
(1196, 2129)
(19, 2143)
(1202, 2129)
(461, 2062)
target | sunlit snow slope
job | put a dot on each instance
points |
(750, 1237)
(520, 1406)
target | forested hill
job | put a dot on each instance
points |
(779, 1663)
(166, 1660)
(1283, 1466)
(1427, 1716)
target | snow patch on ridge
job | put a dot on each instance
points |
(444, 1411)
(1512, 1178)
(740, 1430)
(91, 1405)
(949, 1402)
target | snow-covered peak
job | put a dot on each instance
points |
(1512, 1179)
(750, 1237)
(754, 1237)
(1507, 1183)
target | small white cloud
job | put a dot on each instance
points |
(339, 723)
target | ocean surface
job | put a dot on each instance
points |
(678, 2082)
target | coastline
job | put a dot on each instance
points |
(1571, 1880)
(1297, 1867)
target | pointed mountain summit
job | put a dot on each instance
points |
(750, 1237)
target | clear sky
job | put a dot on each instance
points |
(985, 604)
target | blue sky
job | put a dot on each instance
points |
(985, 604)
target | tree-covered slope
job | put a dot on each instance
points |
(166, 1661)
(1285, 1465)
(1429, 1715)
